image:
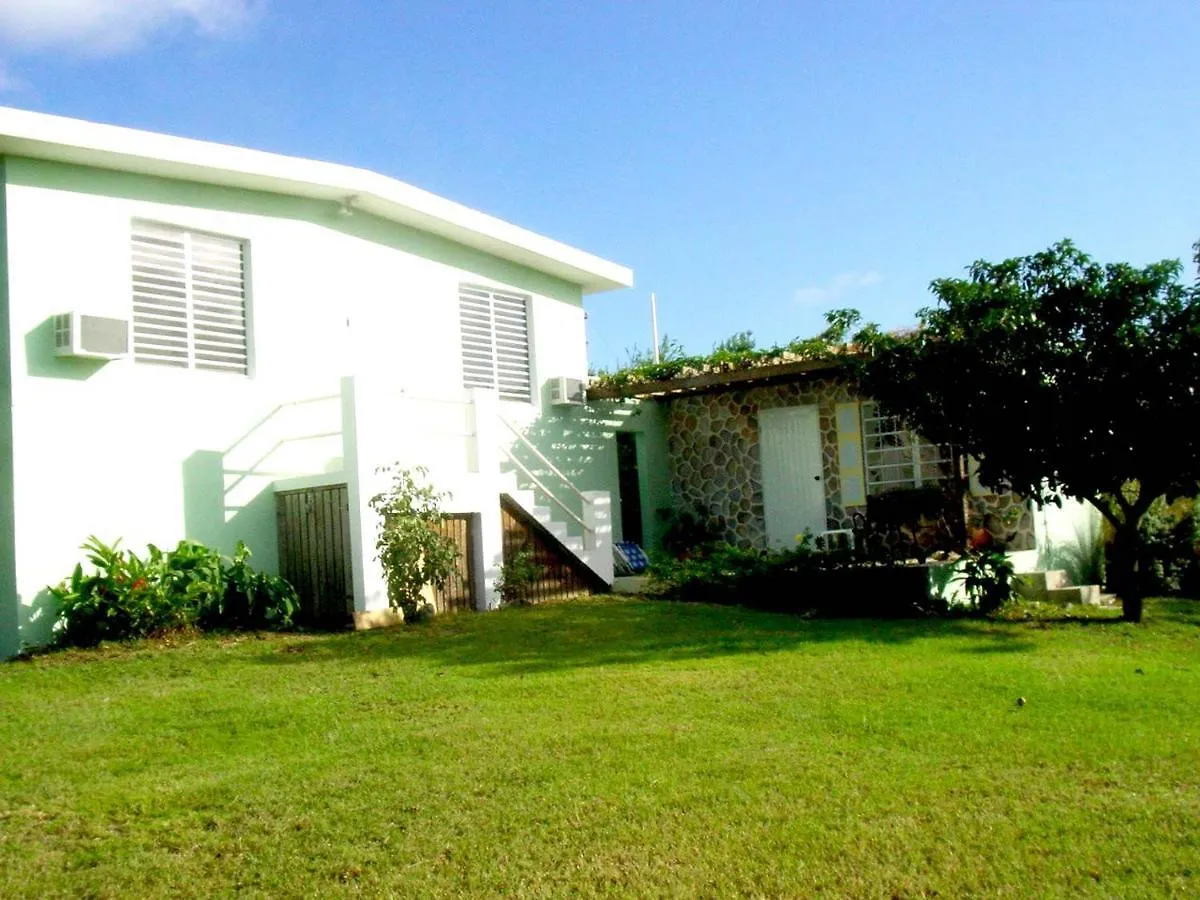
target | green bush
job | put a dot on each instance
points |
(1169, 544)
(987, 578)
(516, 576)
(128, 596)
(411, 546)
(724, 573)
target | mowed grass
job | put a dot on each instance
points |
(613, 747)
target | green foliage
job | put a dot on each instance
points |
(411, 547)
(130, 596)
(735, 353)
(689, 529)
(987, 578)
(724, 573)
(1060, 375)
(1169, 542)
(516, 576)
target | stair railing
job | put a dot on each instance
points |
(524, 469)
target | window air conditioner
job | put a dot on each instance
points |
(566, 391)
(90, 337)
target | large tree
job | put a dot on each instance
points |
(1062, 376)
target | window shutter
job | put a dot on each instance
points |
(189, 299)
(850, 455)
(512, 346)
(495, 341)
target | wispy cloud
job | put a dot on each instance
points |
(106, 27)
(836, 287)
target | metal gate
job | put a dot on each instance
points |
(459, 591)
(314, 552)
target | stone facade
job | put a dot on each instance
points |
(715, 466)
(1007, 518)
(713, 444)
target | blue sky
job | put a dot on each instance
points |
(754, 163)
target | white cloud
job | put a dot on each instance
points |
(99, 27)
(837, 287)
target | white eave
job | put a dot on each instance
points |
(41, 136)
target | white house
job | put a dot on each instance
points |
(188, 328)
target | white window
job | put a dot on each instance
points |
(495, 341)
(189, 299)
(897, 458)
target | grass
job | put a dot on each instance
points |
(613, 747)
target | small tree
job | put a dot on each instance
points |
(411, 547)
(1062, 376)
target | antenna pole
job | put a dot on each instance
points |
(654, 325)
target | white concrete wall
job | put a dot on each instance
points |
(150, 454)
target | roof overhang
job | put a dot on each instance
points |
(60, 139)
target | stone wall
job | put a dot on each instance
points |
(1006, 517)
(713, 445)
(715, 468)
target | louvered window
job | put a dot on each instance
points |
(495, 341)
(189, 299)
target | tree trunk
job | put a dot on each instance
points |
(1123, 571)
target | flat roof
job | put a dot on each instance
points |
(61, 139)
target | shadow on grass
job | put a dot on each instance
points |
(621, 632)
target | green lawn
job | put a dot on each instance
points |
(614, 747)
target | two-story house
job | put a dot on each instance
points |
(189, 331)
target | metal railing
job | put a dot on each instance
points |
(541, 457)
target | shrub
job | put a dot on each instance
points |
(724, 573)
(129, 596)
(987, 578)
(516, 576)
(1169, 544)
(411, 546)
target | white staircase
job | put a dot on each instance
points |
(1054, 586)
(581, 524)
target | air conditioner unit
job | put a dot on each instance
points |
(90, 337)
(566, 391)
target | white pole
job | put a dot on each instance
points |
(654, 325)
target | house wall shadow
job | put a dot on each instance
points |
(209, 519)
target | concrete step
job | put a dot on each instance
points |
(631, 584)
(1079, 593)
(556, 528)
(1037, 586)
(1064, 596)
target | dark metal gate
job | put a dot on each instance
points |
(314, 552)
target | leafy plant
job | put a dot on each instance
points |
(987, 579)
(516, 576)
(690, 530)
(411, 547)
(130, 596)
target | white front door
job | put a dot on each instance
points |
(789, 446)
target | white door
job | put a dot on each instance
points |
(789, 446)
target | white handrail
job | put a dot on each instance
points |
(545, 490)
(538, 453)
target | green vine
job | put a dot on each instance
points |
(736, 353)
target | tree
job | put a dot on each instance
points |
(1062, 376)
